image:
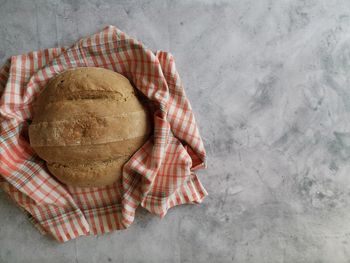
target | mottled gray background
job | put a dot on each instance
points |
(269, 84)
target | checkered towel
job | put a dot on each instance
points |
(159, 175)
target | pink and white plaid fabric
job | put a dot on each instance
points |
(160, 174)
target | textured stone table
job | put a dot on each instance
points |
(269, 82)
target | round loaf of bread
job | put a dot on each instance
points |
(87, 123)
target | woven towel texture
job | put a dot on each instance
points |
(159, 175)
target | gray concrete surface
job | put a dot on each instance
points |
(269, 84)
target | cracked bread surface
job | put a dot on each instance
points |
(87, 123)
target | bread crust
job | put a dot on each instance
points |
(87, 123)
